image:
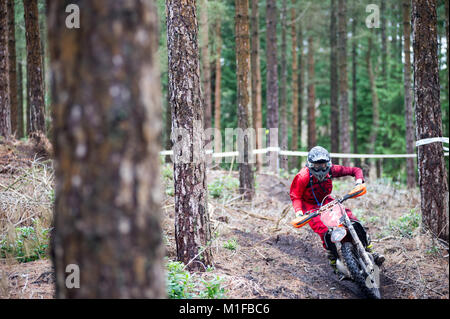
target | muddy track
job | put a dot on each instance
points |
(295, 263)
(284, 254)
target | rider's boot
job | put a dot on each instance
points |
(377, 258)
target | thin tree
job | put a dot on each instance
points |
(256, 78)
(410, 166)
(107, 120)
(344, 122)
(383, 43)
(217, 88)
(312, 139)
(301, 83)
(272, 79)
(294, 109)
(447, 37)
(283, 91)
(355, 91)
(242, 31)
(12, 70)
(375, 102)
(192, 227)
(20, 118)
(35, 87)
(205, 62)
(5, 111)
(433, 176)
(334, 83)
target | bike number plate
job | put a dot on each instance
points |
(332, 216)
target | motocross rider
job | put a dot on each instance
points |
(313, 183)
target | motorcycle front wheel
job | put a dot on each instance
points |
(359, 276)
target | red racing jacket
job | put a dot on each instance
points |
(307, 192)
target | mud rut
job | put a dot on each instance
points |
(290, 264)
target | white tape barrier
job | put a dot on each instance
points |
(335, 155)
(432, 140)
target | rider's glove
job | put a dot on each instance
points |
(358, 181)
(298, 213)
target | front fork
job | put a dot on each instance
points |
(367, 264)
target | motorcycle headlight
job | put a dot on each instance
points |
(338, 234)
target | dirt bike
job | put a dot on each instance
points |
(347, 240)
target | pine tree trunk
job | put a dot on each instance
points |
(168, 127)
(301, 84)
(354, 92)
(283, 113)
(334, 84)
(294, 109)
(344, 122)
(107, 121)
(311, 96)
(192, 227)
(206, 69)
(410, 166)
(447, 38)
(34, 67)
(20, 126)
(446, 110)
(12, 69)
(383, 43)
(217, 89)
(272, 80)
(392, 54)
(5, 111)
(27, 109)
(375, 102)
(431, 163)
(256, 79)
(242, 31)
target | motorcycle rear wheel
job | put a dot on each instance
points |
(359, 276)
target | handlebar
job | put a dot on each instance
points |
(301, 221)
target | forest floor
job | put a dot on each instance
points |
(257, 253)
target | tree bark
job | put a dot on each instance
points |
(20, 126)
(34, 67)
(256, 79)
(383, 43)
(12, 69)
(431, 163)
(301, 83)
(447, 38)
(206, 69)
(283, 113)
(5, 110)
(355, 92)
(311, 96)
(334, 84)
(375, 102)
(217, 90)
(343, 84)
(242, 31)
(272, 79)
(410, 166)
(294, 109)
(192, 227)
(107, 122)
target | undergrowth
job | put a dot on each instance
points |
(26, 243)
(183, 285)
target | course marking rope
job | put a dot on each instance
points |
(334, 155)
